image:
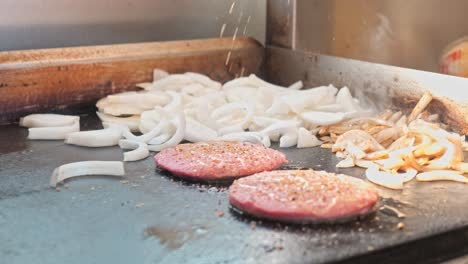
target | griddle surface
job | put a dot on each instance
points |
(155, 218)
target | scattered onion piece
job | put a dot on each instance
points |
(156, 131)
(95, 138)
(139, 150)
(53, 133)
(197, 132)
(178, 136)
(348, 162)
(322, 118)
(296, 86)
(441, 175)
(159, 74)
(131, 122)
(251, 137)
(84, 168)
(305, 139)
(266, 141)
(288, 140)
(159, 139)
(420, 106)
(384, 179)
(48, 120)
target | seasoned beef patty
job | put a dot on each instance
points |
(302, 196)
(218, 160)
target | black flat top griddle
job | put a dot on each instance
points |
(154, 218)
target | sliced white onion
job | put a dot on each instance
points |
(204, 80)
(142, 99)
(278, 107)
(252, 137)
(385, 179)
(150, 119)
(282, 127)
(95, 138)
(288, 140)
(230, 129)
(131, 122)
(306, 139)
(197, 132)
(296, 86)
(409, 175)
(178, 136)
(176, 102)
(48, 120)
(159, 139)
(240, 82)
(346, 163)
(300, 101)
(159, 74)
(121, 109)
(261, 83)
(227, 110)
(239, 94)
(172, 82)
(266, 141)
(146, 86)
(322, 118)
(264, 121)
(345, 99)
(441, 175)
(334, 108)
(84, 168)
(194, 89)
(156, 131)
(139, 150)
(53, 133)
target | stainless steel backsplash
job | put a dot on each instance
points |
(31, 24)
(407, 33)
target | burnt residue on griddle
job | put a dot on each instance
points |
(11, 140)
(175, 237)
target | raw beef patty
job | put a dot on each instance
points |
(302, 196)
(218, 160)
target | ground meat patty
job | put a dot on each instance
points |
(218, 160)
(303, 196)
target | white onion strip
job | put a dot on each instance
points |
(48, 120)
(83, 168)
(53, 133)
(131, 122)
(288, 140)
(385, 179)
(139, 150)
(306, 139)
(296, 86)
(441, 175)
(159, 139)
(197, 132)
(252, 137)
(176, 138)
(145, 138)
(95, 138)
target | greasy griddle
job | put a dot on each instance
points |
(154, 218)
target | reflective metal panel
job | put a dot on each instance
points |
(27, 24)
(398, 32)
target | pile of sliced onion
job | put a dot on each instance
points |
(231, 111)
